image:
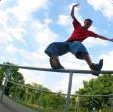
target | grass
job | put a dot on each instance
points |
(41, 109)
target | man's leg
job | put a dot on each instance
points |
(54, 50)
(80, 51)
(93, 66)
(55, 63)
(87, 58)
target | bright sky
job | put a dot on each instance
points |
(27, 27)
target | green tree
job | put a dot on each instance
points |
(1, 76)
(103, 85)
(15, 76)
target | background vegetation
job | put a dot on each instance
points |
(99, 93)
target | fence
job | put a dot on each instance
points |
(71, 72)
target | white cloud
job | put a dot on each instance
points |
(93, 42)
(4, 38)
(44, 35)
(77, 82)
(35, 58)
(14, 19)
(26, 7)
(64, 20)
(104, 6)
(108, 59)
(11, 49)
(33, 76)
(3, 1)
(3, 16)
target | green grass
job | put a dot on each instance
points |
(41, 109)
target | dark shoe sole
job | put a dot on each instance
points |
(100, 64)
(96, 72)
(55, 64)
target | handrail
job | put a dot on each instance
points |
(60, 70)
(19, 84)
(84, 95)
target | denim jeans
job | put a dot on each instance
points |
(61, 48)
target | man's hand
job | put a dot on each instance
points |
(111, 40)
(76, 5)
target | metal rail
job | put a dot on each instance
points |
(60, 70)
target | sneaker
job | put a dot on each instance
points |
(55, 64)
(97, 67)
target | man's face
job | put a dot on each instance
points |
(87, 23)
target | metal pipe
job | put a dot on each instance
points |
(60, 70)
(8, 74)
(68, 93)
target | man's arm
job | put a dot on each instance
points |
(105, 38)
(72, 11)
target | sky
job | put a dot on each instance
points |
(27, 27)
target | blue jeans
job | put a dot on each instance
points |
(61, 48)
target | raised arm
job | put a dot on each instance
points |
(72, 11)
(105, 38)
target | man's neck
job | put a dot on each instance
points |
(85, 27)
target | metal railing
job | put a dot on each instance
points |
(70, 71)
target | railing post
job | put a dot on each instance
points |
(8, 74)
(77, 104)
(66, 109)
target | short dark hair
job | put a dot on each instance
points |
(89, 20)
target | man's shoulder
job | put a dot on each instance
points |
(76, 22)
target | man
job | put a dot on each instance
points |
(74, 45)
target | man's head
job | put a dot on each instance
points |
(87, 23)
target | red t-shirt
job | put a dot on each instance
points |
(80, 33)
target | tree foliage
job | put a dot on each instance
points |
(103, 85)
(13, 74)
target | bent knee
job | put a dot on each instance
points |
(81, 55)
